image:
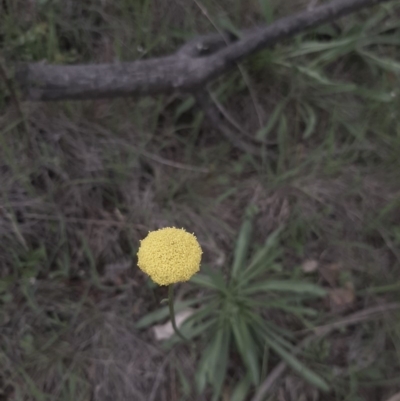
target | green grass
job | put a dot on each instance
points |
(83, 182)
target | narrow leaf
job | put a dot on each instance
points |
(382, 62)
(191, 331)
(262, 133)
(204, 281)
(262, 259)
(213, 360)
(310, 119)
(243, 242)
(247, 348)
(221, 364)
(286, 286)
(186, 105)
(241, 390)
(268, 10)
(299, 367)
(162, 313)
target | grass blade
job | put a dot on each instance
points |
(262, 133)
(383, 63)
(191, 331)
(243, 242)
(285, 286)
(262, 259)
(221, 364)
(299, 367)
(247, 348)
(163, 313)
(241, 390)
(310, 119)
(213, 363)
(205, 281)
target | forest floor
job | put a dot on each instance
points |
(81, 182)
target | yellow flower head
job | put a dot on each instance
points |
(169, 255)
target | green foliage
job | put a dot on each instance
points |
(232, 317)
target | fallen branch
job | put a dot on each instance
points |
(189, 69)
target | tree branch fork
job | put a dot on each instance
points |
(189, 69)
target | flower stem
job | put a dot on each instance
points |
(172, 313)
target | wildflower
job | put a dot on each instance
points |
(169, 255)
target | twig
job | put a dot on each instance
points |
(40, 81)
(321, 331)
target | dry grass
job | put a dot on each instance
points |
(73, 350)
(89, 179)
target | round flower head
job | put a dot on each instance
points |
(169, 255)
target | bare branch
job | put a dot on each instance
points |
(183, 71)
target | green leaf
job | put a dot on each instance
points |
(204, 365)
(268, 10)
(247, 348)
(213, 358)
(264, 329)
(284, 305)
(263, 132)
(6, 283)
(310, 119)
(299, 367)
(243, 241)
(393, 40)
(374, 20)
(204, 281)
(296, 310)
(226, 23)
(163, 313)
(184, 382)
(315, 75)
(227, 87)
(311, 47)
(31, 386)
(210, 308)
(241, 390)
(184, 107)
(321, 79)
(213, 279)
(263, 259)
(282, 142)
(218, 279)
(376, 95)
(190, 330)
(332, 87)
(382, 62)
(221, 364)
(285, 285)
